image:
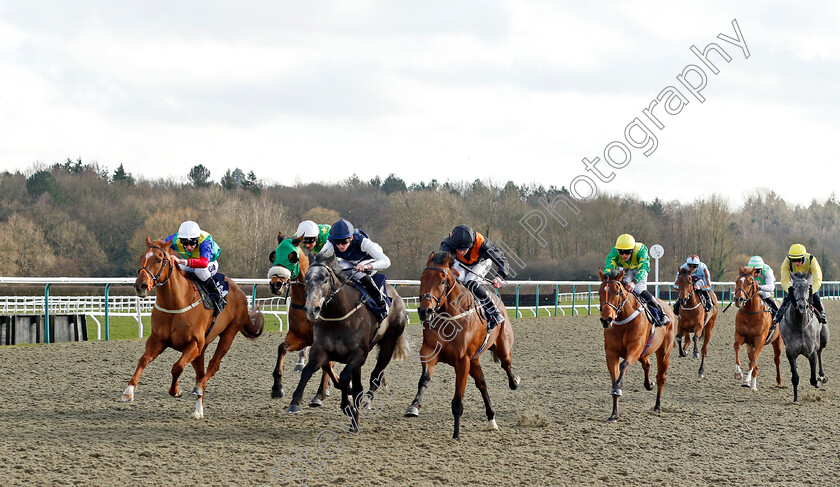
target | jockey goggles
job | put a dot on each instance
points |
(309, 240)
(188, 241)
(343, 241)
(625, 252)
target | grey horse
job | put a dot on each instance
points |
(802, 333)
(346, 331)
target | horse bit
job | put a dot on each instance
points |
(430, 296)
(156, 277)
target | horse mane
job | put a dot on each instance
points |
(799, 275)
(441, 256)
(684, 271)
(613, 274)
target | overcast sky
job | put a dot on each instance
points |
(459, 90)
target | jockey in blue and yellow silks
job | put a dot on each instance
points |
(199, 255)
(633, 258)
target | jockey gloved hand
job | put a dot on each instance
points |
(497, 282)
(363, 267)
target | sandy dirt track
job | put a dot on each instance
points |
(62, 422)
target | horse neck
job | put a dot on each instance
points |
(299, 286)
(693, 298)
(755, 303)
(177, 291)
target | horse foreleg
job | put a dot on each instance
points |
(794, 377)
(707, 337)
(777, 354)
(812, 359)
(753, 351)
(739, 340)
(612, 366)
(317, 359)
(663, 358)
(822, 377)
(190, 352)
(277, 387)
(680, 348)
(323, 386)
(428, 368)
(153, 348)
(357, 393)
(645, 361)
(301, 363)
(462, 369)
(478, 376)
(696, 354)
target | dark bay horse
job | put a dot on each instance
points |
(752, 325)
(345, 331)
(455, 333)
(694, 318)
(803, 334)
(629, 334)
(180, 322)
(299, 335)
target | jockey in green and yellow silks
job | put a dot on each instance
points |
(199, 256)
(633, 257)
(314, 236)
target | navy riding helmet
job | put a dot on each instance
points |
(462, 237)
(341, 229)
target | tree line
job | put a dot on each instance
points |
(79, 219)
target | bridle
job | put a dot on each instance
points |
(332, 277)
(430, 296)
(753, 288)
(156, 277)
(684, 301)
(622, 294)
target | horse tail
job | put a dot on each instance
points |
(254, 326)
(493, 354)
(402, 348)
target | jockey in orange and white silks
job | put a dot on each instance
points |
(199, 255)
(356, 251)
(633, 257)
(474, 255)
(702, 281)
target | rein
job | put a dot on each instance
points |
(156, 277)
(749, 296)
(334, 292)
(440, 300)
(620, 306)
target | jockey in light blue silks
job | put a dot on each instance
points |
(199, 255)
(355, 250)
(702, 282)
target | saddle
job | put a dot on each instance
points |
(222, 288)
(379, 280)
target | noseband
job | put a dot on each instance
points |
(156, 277)
(753, 288)
(621, 294)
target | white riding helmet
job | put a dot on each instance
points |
(307, 228)
(189, 229)
(693, 260)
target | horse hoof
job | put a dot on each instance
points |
(616, 392)
(696, 355)
(127, 398)
(491, 425)
(648, 386)
(277, 393)
(412, 412)
(701, 376)
(197, 392)
(315, 403)
(612, 419)
(293, 408)
(177, 395)
(515, 383)
(299, 368)
(197, 415)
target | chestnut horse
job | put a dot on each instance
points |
(694, 318)
(299, 335)
(629, 334)
(455, 333)
(179, 321)
(752, 325)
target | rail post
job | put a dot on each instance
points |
(517, 300)
(537, 301)
(107, 323)
(254, 297)
(47, 313)
(574, 288)
(556, 298)
(589, 300)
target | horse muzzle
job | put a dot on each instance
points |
(606, 322)
(276, 286)
(423, 313)
(141, 289)
(312, 314)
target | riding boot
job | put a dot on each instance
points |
(480, 292)
(215, 294)
(382, 311)
(774, 308)
(652, 303)
(707, 300)
(781, 311)
(815, 300)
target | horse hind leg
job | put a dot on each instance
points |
(321, 394)
(812, 359)
(680, 348)
(646, 368)
(462, 369)
(739, 340)
(696, 353)
(502, 353)
(301, 363)
(277, 387)
(478, 376)
(823, 378)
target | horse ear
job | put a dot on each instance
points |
(296, 242)
(601, 274)
(454, 270)
(271, 256)
(742, 269)
(280, 237)
(148, 241)
(620, 275)
(293, 257)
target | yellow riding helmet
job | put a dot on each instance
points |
(625, 242)
(797, 251)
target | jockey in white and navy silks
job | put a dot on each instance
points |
(355, 250)
(199, 255)
(702, 281)
(766, 280)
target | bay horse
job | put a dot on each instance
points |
(752, 326)
(693, 317)
(179, 321)
(345, 331)
(803, 334)
(455, 333)
(299, 335)
(629, 334)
